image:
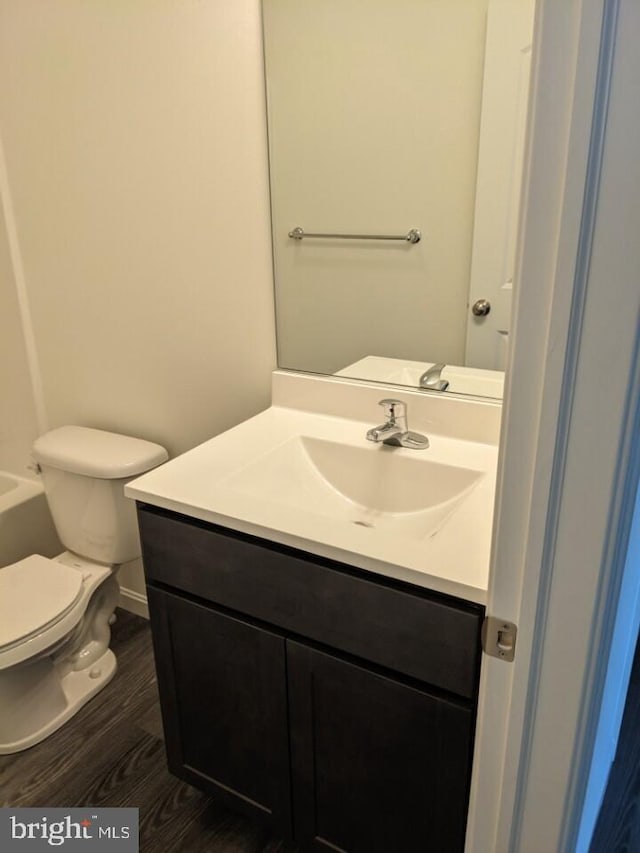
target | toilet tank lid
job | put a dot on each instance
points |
(97, 453)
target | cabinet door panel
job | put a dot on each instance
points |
(377, 766)
(223, 694)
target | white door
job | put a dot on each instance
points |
(498, 186)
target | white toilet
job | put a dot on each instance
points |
(55, 613)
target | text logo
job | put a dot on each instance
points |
(98, 829)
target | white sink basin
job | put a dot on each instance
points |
(371, 485)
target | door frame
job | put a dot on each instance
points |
(570, 428)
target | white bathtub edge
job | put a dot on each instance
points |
(23, 491)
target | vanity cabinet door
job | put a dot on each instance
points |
(377, 766)
(222, 689)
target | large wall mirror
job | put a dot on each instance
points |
(391, 120)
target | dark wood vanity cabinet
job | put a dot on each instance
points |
(337, 706)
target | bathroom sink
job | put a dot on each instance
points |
(313, 482)
(372, 486)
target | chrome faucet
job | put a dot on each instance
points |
(432, 379)
(394, 430)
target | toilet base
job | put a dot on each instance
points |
(61, 695)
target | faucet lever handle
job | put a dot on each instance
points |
(393, 409)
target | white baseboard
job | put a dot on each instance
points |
(134, 602)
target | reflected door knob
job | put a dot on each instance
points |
(481, 308)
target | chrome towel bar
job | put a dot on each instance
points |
(412, 236)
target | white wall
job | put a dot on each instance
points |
(136, 154)
(18, 421)
(374, 112)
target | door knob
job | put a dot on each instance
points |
(481, 308)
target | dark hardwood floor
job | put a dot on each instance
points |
(618, 826)
(112, 754)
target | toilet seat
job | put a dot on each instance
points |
(35, 593)
(41, 601)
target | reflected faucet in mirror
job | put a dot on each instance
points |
(432, 378)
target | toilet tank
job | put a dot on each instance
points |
(84, 472)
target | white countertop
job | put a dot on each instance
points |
(204, 484)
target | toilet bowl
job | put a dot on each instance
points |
(55, 614)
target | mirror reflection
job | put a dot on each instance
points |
(396, 136)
